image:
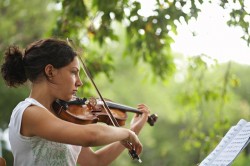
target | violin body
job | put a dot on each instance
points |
(78, 114)
(83, 114)
(102, 115)
(82, 111)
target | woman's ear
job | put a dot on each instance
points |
(50, 71)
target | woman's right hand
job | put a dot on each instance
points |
(132, 142)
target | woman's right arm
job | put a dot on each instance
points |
(37, 121)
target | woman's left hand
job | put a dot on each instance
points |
(139, 120)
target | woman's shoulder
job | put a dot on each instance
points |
(34, 118)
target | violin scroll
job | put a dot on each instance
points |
(152, 119)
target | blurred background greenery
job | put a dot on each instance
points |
(130, 57)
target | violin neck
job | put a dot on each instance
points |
(122, 107)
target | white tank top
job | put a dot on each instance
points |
(36, 151)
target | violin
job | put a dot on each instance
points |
(87, 111)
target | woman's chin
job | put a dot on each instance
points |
(68, 98)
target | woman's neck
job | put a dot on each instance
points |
(42, 94)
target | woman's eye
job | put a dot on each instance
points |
(74, 72)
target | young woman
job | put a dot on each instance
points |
(37, 136)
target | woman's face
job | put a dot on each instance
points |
(67, 81)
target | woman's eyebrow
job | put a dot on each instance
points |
(76, 68)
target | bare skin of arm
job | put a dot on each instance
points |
(40, 122)
(109, 153)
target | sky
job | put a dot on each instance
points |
(213, 36)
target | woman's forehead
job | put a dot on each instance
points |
(75, 63)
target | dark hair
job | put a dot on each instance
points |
(19, 66)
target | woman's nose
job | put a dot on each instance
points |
(79, 82)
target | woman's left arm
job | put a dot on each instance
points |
(109, 153)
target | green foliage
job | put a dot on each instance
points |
(242, 159)
(23, 22)
(149, 35)
(241, 81)
(239, 15)
(194, 113)
(9, 99)
(8, 156)
(206, 100)
(191, 119)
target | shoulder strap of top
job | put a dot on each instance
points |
(34, 102)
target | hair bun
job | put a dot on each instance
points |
(12, 69)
